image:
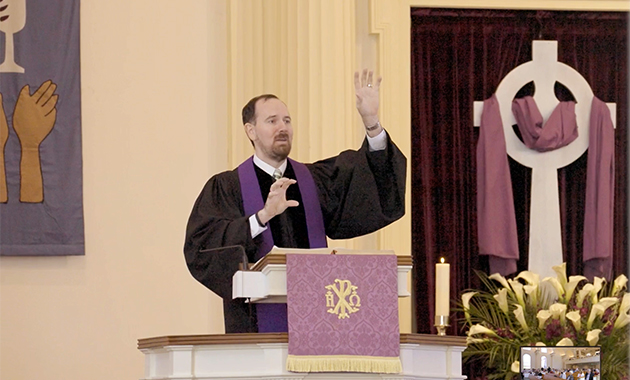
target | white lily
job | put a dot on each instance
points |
(557, 311)
(543, 316)
(520, 317)
(466, 303)
(532, 294)
(593, 337)
(571, 285)
(515, 367)
(470, 340)
(501, 298)
(540, 344)
(499, 278)
(561, 273)
(566, 342)
(586, 290)
(598, 283)
(575, 318)
(599, 308)
(517, 287)
(607, 302)
(479, 329)
(625, 304)
(620, 284)
(622, 320)
(595, 311)
(531, 277)
(556, 285)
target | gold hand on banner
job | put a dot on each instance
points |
(33, 119)
(4, 136)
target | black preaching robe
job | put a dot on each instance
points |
(359, 193)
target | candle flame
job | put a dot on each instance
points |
(442, 260)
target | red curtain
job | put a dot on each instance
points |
(460, 56)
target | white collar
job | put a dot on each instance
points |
(268, 168)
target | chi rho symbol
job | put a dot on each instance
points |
(344, 307)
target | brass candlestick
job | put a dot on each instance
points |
(441, 323)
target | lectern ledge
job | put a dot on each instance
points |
(265, 355)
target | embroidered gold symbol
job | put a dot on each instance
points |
(344, 307)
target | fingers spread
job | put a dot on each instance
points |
(357, 82)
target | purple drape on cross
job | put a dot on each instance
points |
(496, 220)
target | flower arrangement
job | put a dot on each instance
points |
(560, 311)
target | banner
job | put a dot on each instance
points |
(343, 313)
(41, 183)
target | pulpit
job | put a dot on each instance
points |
(266, 280)
(263, 356)
(268, 355)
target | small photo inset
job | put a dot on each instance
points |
(554, 363)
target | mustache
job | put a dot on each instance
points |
(282, 136)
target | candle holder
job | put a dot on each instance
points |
(441, 323)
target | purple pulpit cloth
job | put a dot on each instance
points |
(343, 313)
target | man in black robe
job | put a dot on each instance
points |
(262, 203)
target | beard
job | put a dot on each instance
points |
(281, 147)
(281, 151)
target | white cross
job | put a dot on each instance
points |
(545, 238)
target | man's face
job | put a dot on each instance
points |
(271, 132)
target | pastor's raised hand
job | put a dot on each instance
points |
(366, 90)
(33, 119)
(277, 201)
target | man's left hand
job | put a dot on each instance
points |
(367, 96)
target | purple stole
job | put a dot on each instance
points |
(272, 317)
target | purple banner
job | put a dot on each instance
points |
(343, 305)
(41, 183)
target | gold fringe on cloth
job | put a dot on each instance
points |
(343, 363)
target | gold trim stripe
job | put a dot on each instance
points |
(343, 363)
(281, 259)
(261, 338)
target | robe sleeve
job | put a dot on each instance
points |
(218, 234)
(361, 191)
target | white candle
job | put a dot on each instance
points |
(442, 288)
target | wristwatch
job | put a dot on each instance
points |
(375, 126)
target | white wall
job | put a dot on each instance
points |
(153, 104)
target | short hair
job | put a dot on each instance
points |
(249, 111)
